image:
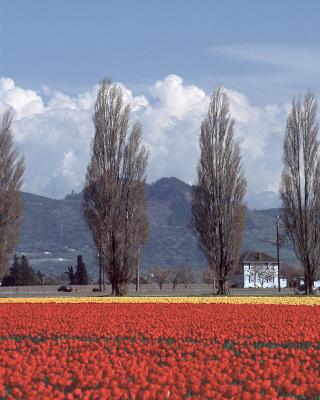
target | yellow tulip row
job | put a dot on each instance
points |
(311, 301)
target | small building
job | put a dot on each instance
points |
(316, 284)
(257, 270)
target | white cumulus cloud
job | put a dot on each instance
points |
(54, 131)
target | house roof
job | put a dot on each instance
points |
(256, 257)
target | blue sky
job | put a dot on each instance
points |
(73, 44)
(263, 52)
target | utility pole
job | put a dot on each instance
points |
(278, 253)
(103, 278)
(100, 270)
(138, 272)
(137, 279)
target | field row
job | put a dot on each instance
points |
(289, 300)
(159, 351)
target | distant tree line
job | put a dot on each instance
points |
(22, 274)
(176, 276)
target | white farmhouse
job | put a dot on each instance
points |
(316, 284)
(260, 271)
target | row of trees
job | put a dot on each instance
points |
(114, 203)
(217, 203)
(175, 276)
(22, 274)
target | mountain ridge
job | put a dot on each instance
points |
(53, 231)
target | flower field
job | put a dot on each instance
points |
(160, 349)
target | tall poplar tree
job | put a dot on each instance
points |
(11, 173)
(218, 210)
(114, 194)
(300, 186)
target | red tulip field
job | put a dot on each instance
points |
(159, 351)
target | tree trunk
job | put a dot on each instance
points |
(123, 289)
(100, 270)
(308, 282)
(221, 287)
(119, 289)
(309, 286)
(103, 280)
(116, 289)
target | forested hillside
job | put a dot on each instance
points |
(53, 232)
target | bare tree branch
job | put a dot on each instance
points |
(11, 172)
(160, 275)
(217, 199)
(114, 194)
(300, 185)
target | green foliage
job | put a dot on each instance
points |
(21, 273)
(81, 275)
(71, 275)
